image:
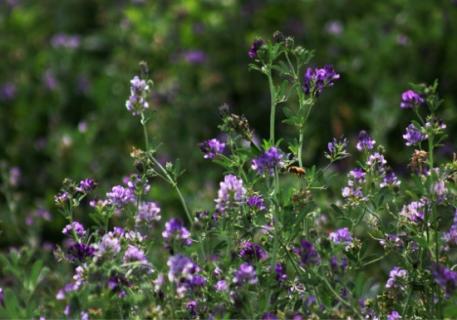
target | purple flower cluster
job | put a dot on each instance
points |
(307, 253)
(75, 227)
(109, 244)
(394, 315)
(445, 278)
(413, 135)
(414, 211)
(268, 161)
(134, 254)
(316, 79)
(257, 202)
(365, 141)
(245, 274)
(184, 273)
(137, 102)
(410, 99)
(86, 185)
(341, 236)
(231, 193)
(80, 251)
(353, 190)
(62, 40)
(252, 251)
(394, 276)
(280, 272)
(120, 196)
(175, 230)
(148, 212)
(211, 148)
(255, 46)
(338, 266)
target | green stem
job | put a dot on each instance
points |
(430, 151)
(145, 131)
(273, 106)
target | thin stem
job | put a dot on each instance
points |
(273, 106)
(145, 131)
(301, 137)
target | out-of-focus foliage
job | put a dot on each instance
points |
(65, 64)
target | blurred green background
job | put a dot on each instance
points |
(66, 65)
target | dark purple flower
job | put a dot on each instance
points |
(280, 271)
(231, 193)
(390, 179)
(307, 253)
(269, 316)
(194, 56)
(445, 278)
(268, 161)
(316, 79)
(211, 148)
(365, 141)
(252, 251)
(394, 315)
(257, 202)
(255, 46)
(245, 275)
(341, 236)
(174, 229)
(80, 251)
(413, 135)
(117, 285)
(410, 99)
(86, 185)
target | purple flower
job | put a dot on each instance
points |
(357, 174)
(337, 149)
(109, 244)
(307, 253)
(316, 79)
(75, 226)
(148, 212)
(394, 315)
(134, 254)
(120, 196)
(184, 273)
(231, 193)
(7, 91)
(255, 46)
(174, 229)
(37, 214)
(280, 271)
(451, 236)
(414, 211)
(365, 141)
(245, 275)
(2, 297)
(221, 286)
(211, 148)
(377, 160)
(445, 278)
(268, 161)
(191, 306)
(80, 251)
(252, 251)
(86, 185)
(410, 99)
(194, 56)
(394, 275)
(390, 179)
(257, 202)
(137, 103)
(269, 316)
(62, 40)
(342, 236)
(413, 135)
(338, 266)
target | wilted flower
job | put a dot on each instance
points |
(365, 141)
(245, 275)
(268, 161)
(211, 148)
(316, 79)
(410, 99)
(231, 193)
(413, 135)
(174, 229)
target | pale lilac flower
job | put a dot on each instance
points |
(134, 254)
(76, 227)
(341, 236)
(174, 229)
(394, 315)
(414, 211)
(221, 286)
(148, 212)
(86, 185)
(120, 196)
(137, 102)
(245, 275)
(394, 276)
(231, 193)
(109, 243)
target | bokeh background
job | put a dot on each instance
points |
(65, 67)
